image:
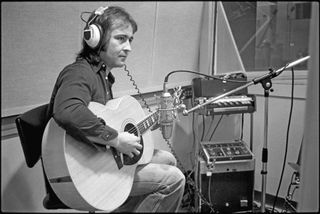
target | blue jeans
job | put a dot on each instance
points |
(157, 187)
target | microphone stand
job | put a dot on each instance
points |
(266, 83)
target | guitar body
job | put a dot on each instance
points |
(85, 178)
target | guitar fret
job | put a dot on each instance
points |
(147, 123)
(141, 128)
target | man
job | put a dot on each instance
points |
(157, 186)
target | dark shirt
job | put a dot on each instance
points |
(78, 84)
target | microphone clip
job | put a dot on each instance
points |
(177, 94)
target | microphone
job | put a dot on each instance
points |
(166, 114)
(291, 64)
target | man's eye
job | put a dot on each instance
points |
(122, 38)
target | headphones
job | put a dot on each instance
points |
(93, 32)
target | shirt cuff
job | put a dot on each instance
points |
(108, 135)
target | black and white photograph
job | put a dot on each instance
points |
(160, 107)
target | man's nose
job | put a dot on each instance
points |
(127, 46)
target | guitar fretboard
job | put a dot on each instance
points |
(149, 121)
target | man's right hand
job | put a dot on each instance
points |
(128, 144)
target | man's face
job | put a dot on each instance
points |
(119, 47)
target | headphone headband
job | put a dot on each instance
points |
(100, 10)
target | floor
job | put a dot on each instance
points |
(226, 191)
(281, 206)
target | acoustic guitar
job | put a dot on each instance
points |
(86, 178)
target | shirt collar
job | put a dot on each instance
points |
(103, 67)
(99, 67)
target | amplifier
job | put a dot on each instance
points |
(215, 87)
(227, 105)
(228, 192)
(227, 176)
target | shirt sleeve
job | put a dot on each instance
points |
(70, 109)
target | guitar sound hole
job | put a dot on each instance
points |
(126, 159)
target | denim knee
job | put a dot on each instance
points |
(163, 157)
(179, 176)
(171, 159)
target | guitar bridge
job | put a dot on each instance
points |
(116, 157)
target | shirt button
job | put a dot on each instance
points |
(105, 136)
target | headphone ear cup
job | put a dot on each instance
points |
(92, 35)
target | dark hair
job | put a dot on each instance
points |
(112, 18)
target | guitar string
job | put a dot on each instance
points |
(189, 180)
(134, 130)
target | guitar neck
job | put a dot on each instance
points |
(148, 122)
